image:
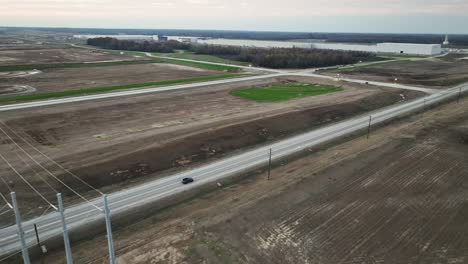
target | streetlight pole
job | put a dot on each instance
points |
(109, 231)
(24, 248)
(66, 240)
(459, 95)
(369, 127)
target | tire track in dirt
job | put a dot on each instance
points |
(334, 230)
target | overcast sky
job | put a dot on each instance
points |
(408, 16)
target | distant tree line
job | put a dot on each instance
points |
(284, 57)
(263, 57)
(146, 46)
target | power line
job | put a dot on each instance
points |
(29, 184)
(50, 159)
(8, 186)
(6, 201)
(35, 172)
(50, 173)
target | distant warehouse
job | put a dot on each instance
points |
(408, 48)
(396, 48)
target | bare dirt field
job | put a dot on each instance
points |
(44, 56)
(444, 71)
(115, 143)
(89, 77)
(399, 197)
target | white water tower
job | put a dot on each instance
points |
(446, 41)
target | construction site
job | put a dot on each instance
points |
(370, 169)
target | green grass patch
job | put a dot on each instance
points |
(202, 65)
(27, 67)
(277, 93)
(202, 57)
(134, 53)
(49, 95)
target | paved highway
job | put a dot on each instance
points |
(383, 84)
(49, 225)
(132, 92)
(50, 102)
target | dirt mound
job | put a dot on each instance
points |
(18, 74)
(15, 89)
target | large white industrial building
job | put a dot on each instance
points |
(397, 48)
(408, 48)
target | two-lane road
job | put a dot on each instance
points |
(120, 202)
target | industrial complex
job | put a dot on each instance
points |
(396, 48)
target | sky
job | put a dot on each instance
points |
(384, 16)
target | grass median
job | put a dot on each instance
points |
(202, 65)
(28, 67)
(202, 57)
(277, 93)
(50, 95)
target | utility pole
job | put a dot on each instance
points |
(24, 248)
(109, 231)
(41, 249)
(269, 166)
(459, 95)
(66, 240)
(368, 129)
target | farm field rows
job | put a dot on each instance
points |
(397, 197)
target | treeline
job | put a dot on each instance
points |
(146, 46)
(284, 57)
(263, 57)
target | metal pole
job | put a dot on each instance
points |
(39, 243)
(459, 95)
(368, 129)
(24, 248)
(269, 166)
(37, 237)
(66, 240)
(109, 231)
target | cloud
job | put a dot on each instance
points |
(212, 13)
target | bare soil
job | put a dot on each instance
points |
(438, 73)
(115, 143)
(399, 197)
(68, 55)
(82, 78)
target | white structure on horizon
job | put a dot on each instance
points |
(395, 48)
(446, 41)
(409, 48)
(184, 39)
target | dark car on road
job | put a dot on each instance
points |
(187, 180)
